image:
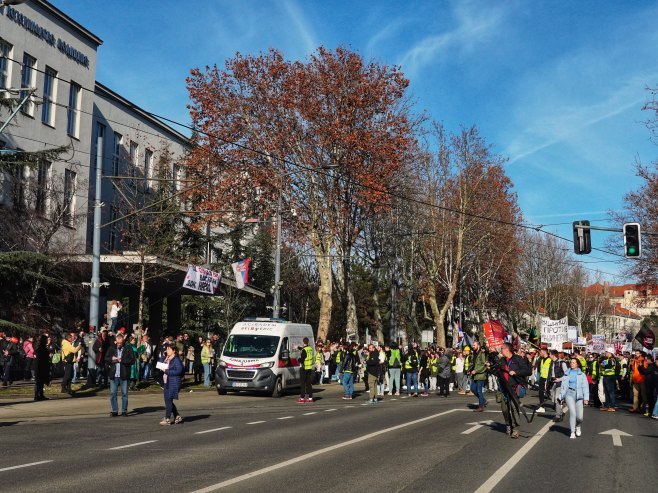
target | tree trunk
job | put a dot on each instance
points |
(352, 319)
(324, 294)
(436, 316)
(142, 287)
(377, 316)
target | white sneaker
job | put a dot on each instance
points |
(578, 431)
(573, 435)
(541, 410)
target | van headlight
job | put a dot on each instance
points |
(266, 365)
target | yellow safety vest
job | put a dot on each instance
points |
(609, 372)
(308, 358)
(453, 362)
(544, 368)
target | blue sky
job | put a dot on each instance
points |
(555, 86)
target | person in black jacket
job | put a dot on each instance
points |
(119, 358)
(41, 368)
(512, 372)
(372, 372)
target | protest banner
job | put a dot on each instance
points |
(554, 332)
(495, 334)
(202, 280)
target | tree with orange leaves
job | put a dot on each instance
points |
(329, 134)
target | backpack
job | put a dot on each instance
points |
(413, 359)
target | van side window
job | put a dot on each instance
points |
(284, 344)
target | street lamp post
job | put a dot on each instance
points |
(277, 261)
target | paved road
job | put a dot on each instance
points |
(250, 443)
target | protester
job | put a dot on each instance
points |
(444, 370)
(479, 375)
(41, 368)
(637, 380)
(115, 307)
(411, 371)
(349, 366)
(171, 377)
(394, 368)
(575, 392)
(306, 372)
(207, 354)
(609, 378)
(372, 372)
(556, 373)
(512, 371)
(119, 359)
(69, 353)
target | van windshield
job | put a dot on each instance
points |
(248, 346)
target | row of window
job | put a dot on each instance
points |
(43, 199)
(28, 82)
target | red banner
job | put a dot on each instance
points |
(495, 334)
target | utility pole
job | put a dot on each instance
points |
(94, 297)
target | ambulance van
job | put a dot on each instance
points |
(262, 355)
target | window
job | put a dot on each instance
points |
(176, 175)
(18, 183)
(5, 66)
(148, 167)
(116, 154)
(49, 91)
(43, 176)
(99, 144)
(72, 117)
(134, 157)
(69, 196)
(27, 81)
(112, 239)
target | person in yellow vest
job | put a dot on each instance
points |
(468, 363)
(318, 363)
(394, 365)
(434, 369)
(69, 353)
(609, 377)
(544, 365)
(306, 361)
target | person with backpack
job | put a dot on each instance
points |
(479, 374)
(609, 372)
(556, 373)
(394, 359)
(411, 371)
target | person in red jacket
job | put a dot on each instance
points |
(637, 368)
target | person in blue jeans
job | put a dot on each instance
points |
(119, 359)
(575, 392)
(478, 374)
(350, 366)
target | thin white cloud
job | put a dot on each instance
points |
(474, 24)
(304, 29)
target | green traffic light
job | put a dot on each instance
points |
(632, 251)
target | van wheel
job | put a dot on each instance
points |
(278, 388)
(221, 391)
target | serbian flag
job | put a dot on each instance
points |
(646, 337)
(241, 271)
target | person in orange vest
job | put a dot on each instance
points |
(637, 369)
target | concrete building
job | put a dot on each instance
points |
(50, 59)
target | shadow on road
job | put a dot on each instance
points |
(148, 409)
(198, 417)
(2, 404)
(8, 423)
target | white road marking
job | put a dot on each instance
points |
(286, 417)
(308, 414)
(310, 455)
(349, 407)
(132, 445)
(494, 479)
(616, 436)
(329, 410)
(476, 426)
(392, 399)
(256, 422)
(214, 429)
(25, 465)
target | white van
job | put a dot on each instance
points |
(262, 355)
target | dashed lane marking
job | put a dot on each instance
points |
(256, 422)
(329, 410)
(286, 417)
(132, 445)
(312, 412)
(214, 429)
(25, 465)
(310, 455)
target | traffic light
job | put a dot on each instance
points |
(632, 241)
(582, 238)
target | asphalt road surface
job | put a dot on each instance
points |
(250, 443)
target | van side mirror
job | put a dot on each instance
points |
(285, 354)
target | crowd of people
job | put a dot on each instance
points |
(508, 372)
(121, 361)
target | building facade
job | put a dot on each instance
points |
(48, 62)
